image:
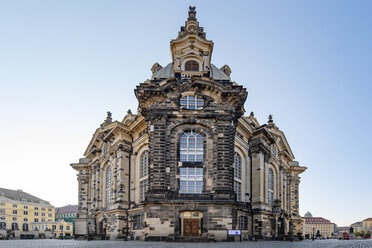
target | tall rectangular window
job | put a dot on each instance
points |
(238, 176)
(238, 190)
(138, 222)
(109, 184)
(270, 186)
(143, 189)
(109, 194)
(191, 180)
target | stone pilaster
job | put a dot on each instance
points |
(157, 155)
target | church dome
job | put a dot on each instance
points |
(308, 214)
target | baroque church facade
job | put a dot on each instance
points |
(189, 163)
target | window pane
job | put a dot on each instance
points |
(191, 147)
(189, 182)
(191, 65)
(237, 166)
(237, 189)
(144, 164)
(191, 102)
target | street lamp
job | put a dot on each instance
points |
(313, 232)
(291, 230)
(88, 236)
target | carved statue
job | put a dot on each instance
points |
(192, 13)
(270, 119)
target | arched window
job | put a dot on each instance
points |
(191, 102)
(191, 150)
(191, 147)
(25, 227)
(144, 171)
(109, 190)
(14, 226)
(237, 176)
(270, 179)
(191, 65)
(2, 225)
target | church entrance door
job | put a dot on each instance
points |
(191, 227)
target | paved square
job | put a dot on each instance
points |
(135, 244)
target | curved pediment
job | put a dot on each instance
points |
(281, 141)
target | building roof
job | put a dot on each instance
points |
(167, 72)
(316, 220)
(356, 224)
(19, 195)
(69, 209)
(368, 219)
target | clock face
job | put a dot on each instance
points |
(191, 28)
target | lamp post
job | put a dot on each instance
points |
(291, 230)
(88, 236)
(313, 232)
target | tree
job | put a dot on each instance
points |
(361, 234)
(368, 233)
(356, 233)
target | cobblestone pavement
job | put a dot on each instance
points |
(135, 244)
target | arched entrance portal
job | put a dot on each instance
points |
(191, 223)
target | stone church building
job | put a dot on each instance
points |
(189, 164)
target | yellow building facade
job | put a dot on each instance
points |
(367, 225)
(55, 229)
(313, 225)
(19, 209)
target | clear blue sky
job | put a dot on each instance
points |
(63, 64)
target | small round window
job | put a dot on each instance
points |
(191, 102)
(191, 65)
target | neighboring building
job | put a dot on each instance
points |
(67, 213)
(367, 225)
(189, 163)
(314, 224)
(357, 226)
(18, 209)
(342, 229)
(57, 229)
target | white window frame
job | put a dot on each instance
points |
(270, 186)
(238, 176)
(109, 185)
(143, 185)
(191, 180)
(143, 175)
(193, 102)
(191, 147)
